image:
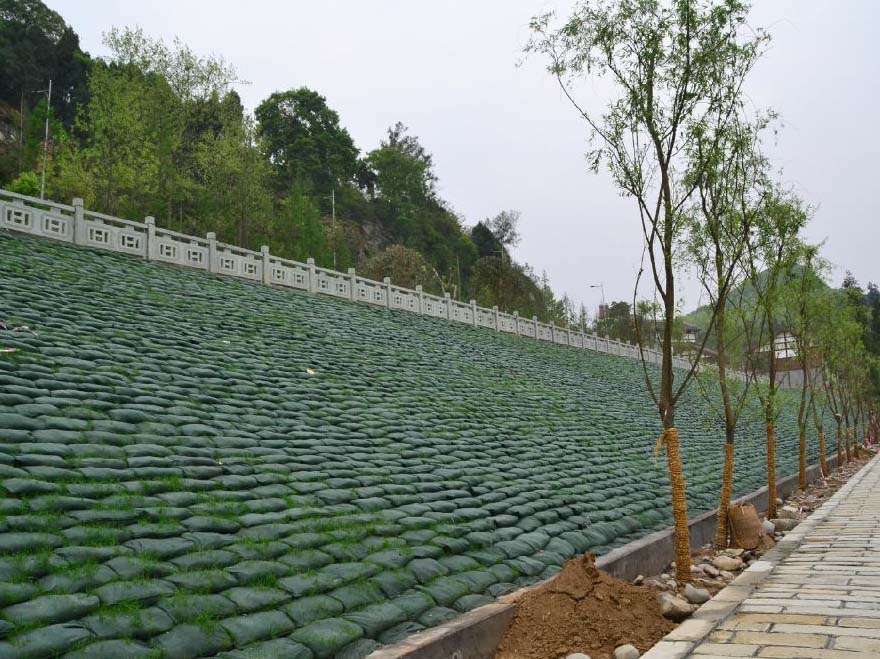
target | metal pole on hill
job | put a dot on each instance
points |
(333, 215)
(601, 287)
(45, 138)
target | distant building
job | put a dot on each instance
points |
(691, 333)
(788, 368)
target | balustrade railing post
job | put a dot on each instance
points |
(212, 251)
(150, 252)
(497, 319)
(516, 322)
(267, 275)
(535, 326)
(474, 313)
(78, 228)
(387, 282)
(313, 275)
(552, 331)
(421, 299)
(352, 284)
(448, 299)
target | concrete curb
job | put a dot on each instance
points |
(679, 643)
(476, 634)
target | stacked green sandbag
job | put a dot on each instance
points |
(194, 465)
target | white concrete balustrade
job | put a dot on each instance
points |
(74, 224)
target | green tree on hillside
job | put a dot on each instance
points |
(305, 142)
(156, 129)
(233, 178)
(37, 46)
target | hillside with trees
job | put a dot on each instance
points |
(157, 129)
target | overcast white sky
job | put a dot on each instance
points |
(504, 138)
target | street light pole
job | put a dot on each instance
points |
(601, 287)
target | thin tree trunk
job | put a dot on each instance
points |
(771, 469)
(856, 437)
(802, 458)
(840, 459)
(667, 400)
(848, 450)
(823, 462)
(770, 420)
(721, 533)
(802, 436)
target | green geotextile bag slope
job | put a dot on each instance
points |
(201, 466)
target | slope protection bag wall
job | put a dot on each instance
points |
(197, 464)
(74, 224)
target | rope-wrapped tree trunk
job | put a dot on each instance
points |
(840, 460)
(802, 458)
(679, 505)
(722, 532)
(823, 462)
(856, 439)
(771, 471)
(848, 450)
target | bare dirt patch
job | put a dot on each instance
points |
(583, 610)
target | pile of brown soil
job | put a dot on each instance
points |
(583, 610)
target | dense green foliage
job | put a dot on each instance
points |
(194, 463)
(36, 45)
(155, 129)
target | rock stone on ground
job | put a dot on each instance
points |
(696, 595)
(578, 655)
(673, 607)
(626, 652)
(710, 570)
(727, 563)
(782, 524)
(788, 512)
(769, 527)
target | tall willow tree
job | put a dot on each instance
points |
(670, 64)
(802, 316)
(731, 187)
(769, 258)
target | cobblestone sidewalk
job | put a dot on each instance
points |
(816, 594)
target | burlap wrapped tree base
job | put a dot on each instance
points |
(771, 471)
(726, 488)
(669, 439)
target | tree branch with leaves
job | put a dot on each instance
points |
(671, 65)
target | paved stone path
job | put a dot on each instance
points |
(816, 594)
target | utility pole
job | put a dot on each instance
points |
(333, 215)
(45, 138)
(21, 133)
